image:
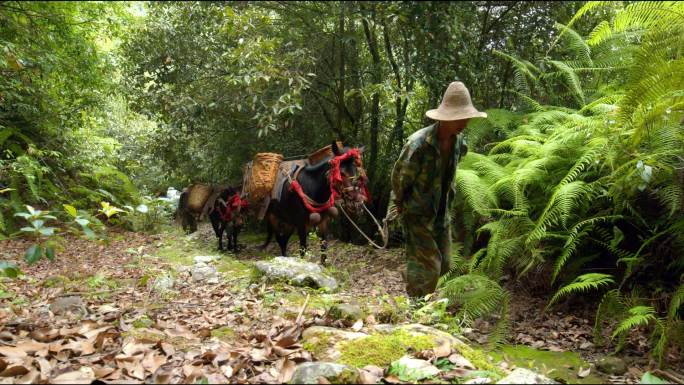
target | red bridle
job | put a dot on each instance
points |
(335, 175)
(234, 204)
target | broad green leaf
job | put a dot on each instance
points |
(28, 229)
(33, 254)
(71, 210)
(649, 378)
(47, 231)
(6, 190)
(50, 253)
(82, 221)
(88, 232)
(142, 208)
(38, 223)
(9, 269)
(30, 209)
(23, 215)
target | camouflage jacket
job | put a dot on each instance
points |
(417, 174)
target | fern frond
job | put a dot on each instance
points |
(675, 303)
(582, 284)
(638, 316)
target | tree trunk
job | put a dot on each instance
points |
(371, 38)
(341, 72)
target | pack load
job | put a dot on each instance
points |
(198, 195)
(260, 175)
(318, 156)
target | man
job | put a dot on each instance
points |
(421, 188)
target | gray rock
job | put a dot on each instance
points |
(416, 369)
(298, 272)
(205, 258)
(328, 341)
(461, 362)
(163, 283)
(310, 372)
(345, 311)
(525, 376)
(205, 273)
(612, 365)
(71, 304)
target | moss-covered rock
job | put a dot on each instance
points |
(612, 365)
(325, 342)
(346, 312)
(382, 349)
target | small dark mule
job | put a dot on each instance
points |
(307, 199)
(228, 211)
(221, 203)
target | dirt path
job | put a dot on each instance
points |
(129, 310)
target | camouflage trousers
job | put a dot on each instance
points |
(428, 252)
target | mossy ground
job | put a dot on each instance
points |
(382, 349)
(557, 365)
(224, 333)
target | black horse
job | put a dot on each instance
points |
(227, 210)
(290, 213)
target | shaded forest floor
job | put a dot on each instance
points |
(128, 310)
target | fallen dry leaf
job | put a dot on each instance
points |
(357, 325)
(583, 373)
(153, 361)
(286, 371)
(83, 375)
(12, 352)
(14, 371)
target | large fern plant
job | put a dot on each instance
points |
(592, 176)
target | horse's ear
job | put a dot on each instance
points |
(336, 150)
(362, 148)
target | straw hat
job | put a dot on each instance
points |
(456, 105)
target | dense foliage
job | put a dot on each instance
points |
(587, 190)
(573, 184)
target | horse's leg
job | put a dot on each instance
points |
(301, 230)
(269, 236)
(323, 234)
(218, 230)
(283, 238)
(235, 229)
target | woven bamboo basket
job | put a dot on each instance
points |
(262, 175)
(322, 153)
(198, 194)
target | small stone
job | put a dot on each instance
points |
(203, 272)
(525, 376)
(612, 365)
(298, 272)
(346, 312)
(461, 362)
(163, 283)
(586, 345)
(205, 258)
(417, 369)
(71, 304)
(310, 372)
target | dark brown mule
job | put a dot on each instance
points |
(297, 206)
(221, 203)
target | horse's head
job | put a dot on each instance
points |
(348, 176)
(233, 204)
